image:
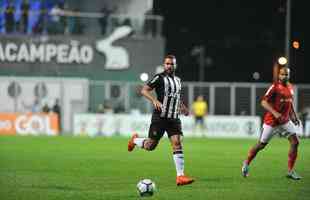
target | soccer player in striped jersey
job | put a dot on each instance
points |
(278, 102)
(165, 117)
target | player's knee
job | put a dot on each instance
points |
(262, 145)
(297, 142)
(177, 144)
(177, 147)
(294, 141)
(150, 146)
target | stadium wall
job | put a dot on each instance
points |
(19, 93)
(116, 56)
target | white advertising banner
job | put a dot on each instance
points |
(125, 125)
(224, 126)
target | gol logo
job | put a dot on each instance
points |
(35, 124)
(23, 124)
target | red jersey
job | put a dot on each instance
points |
(280, 97)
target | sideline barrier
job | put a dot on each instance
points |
(29, 124)
(125, 124)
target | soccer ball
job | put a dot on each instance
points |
(146, 187)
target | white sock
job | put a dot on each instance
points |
(178, 158)
(139, 142)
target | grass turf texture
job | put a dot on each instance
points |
(56, 168)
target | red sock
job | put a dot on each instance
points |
(251, 155)
(292, 155)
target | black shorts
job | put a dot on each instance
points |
(160, 125)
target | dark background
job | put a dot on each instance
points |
(240, 37)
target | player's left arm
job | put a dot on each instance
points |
(293, 116)
(183, 109)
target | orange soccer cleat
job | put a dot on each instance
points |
(184, 180)
(131, 144)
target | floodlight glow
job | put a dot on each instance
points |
(256, 75)
(282, 60)
(144, 77)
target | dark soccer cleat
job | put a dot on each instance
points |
(245, 170)
(293, 175)
(184, 180)
(131, 144)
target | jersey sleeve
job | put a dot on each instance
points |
(153, 82)
(269, 93)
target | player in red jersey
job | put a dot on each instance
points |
(278, 103)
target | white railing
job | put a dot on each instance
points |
(223, 98)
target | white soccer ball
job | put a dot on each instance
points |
(146, 187)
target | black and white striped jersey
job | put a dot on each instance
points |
(168, 91)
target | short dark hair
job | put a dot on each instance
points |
(170, 56)
(283, 67)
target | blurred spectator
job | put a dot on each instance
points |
(119, 108)
(74, 25)
(149, 24)
(103, 21)
(35, 107)
(137, 103)
(243, 112)
(55, 11)
(200, 110)
(54, 25)
(46, 108)
(9, 18)
(57, 109)
(63, 19)
(304, 116)
(25, 15)
(41, 23)
(127, 22)
(70, 24)
(99, 127)
(100, 108)
(113, 20)
(108, 106)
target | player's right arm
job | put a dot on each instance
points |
(293, 116)
(146, 92)
(266, 105)
(269, 108)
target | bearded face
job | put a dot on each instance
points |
(284, 75)
(169, 65)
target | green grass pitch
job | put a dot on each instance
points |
(65, 168)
